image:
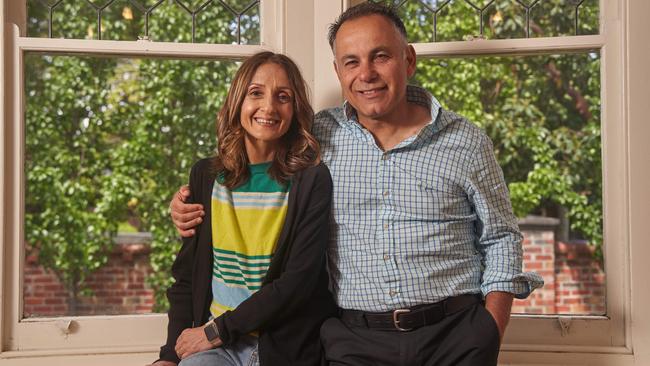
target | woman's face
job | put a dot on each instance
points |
(267, 109)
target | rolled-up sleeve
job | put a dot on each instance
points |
(499, 238)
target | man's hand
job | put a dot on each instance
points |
(162, 363)
(499, 305)
(193, 340)
(185, 216)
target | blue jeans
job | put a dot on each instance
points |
(243, 353)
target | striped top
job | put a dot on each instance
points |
(246, 225)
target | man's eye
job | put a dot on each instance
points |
(381, 57)
(350, 63)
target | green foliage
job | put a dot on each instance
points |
(109, 140)
(457, 20)
(67, 217)
(112, 139)
(542, 112)
(172, 117)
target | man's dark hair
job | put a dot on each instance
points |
(365, 9)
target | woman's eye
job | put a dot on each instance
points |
(284, 98)
(255, 93)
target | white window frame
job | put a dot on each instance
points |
(581, 333)
(80, 335)
(584, 333)
(608, 336)
(620, 338)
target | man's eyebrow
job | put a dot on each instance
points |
(376, 50)
(349, 57)
(373, 51)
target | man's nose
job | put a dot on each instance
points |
(367, 72)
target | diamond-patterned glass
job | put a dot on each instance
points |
(204, 21)
(456, 20)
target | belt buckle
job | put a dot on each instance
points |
(396, 314)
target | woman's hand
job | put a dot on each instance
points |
(193, 340)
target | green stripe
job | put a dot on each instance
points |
(229, 266)
(237, 282)
(239, 275)
(244, 256)
(252, 277)
(241, 262)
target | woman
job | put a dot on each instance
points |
(252, 282)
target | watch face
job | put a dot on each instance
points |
(211, 332)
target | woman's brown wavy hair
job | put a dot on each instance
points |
(298, 148)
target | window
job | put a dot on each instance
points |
(120, 134)
(298, 28)
(543, 113)
(68, 95)
(503, 37)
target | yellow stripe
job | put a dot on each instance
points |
(249, 232)
(217, 309)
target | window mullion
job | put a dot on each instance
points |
(137, 48)
(273, 25)
(523, 46)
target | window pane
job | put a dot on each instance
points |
(456, 20)
(543, 115)
(221, 22)
(107, 143)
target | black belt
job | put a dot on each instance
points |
(410, 318)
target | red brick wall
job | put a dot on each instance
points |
(539, 256)
(574, 280)
(580, 280)
(119, 287)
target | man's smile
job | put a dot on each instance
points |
(371, 92)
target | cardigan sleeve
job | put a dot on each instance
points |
(180, 293)
(306, 258)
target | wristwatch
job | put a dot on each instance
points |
(211, 331)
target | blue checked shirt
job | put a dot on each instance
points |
(428, 219)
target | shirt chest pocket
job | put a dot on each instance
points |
(433, 198)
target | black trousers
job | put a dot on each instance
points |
(467, 338)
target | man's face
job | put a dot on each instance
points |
(373, 63)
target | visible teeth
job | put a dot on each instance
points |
(265, 121)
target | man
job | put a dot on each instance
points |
(424, 239)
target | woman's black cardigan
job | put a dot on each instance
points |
(294, 299)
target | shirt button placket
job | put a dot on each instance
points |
(387, 199)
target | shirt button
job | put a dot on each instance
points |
(392, 293)
(385, 193)
(384, 156)
(386, 257)
(386, 226)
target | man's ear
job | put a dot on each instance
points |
(411, 60)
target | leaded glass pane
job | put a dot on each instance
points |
(457, 20)
(204, 21)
